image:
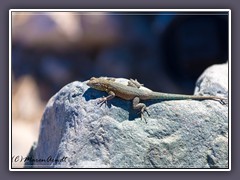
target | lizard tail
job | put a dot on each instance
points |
(166, 96)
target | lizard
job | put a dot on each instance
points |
(132, 91)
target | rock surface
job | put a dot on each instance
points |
(77, 133)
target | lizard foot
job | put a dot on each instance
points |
(140, 106)
(102, 100)
(142, 115)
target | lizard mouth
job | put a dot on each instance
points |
(96, 83)
(90, 84)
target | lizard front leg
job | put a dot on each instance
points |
(141, 106)
(102, 100)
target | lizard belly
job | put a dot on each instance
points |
(125, 96)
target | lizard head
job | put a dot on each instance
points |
(97, 83)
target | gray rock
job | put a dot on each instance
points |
(179, 134)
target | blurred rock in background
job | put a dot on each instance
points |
(166, 52)
(64, 30)
(27, 110)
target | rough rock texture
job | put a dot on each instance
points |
(178, 134)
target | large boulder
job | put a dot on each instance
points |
(78, 133)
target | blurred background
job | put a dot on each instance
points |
(164, 51)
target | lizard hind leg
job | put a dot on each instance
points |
(134, 83)
(137, 105)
